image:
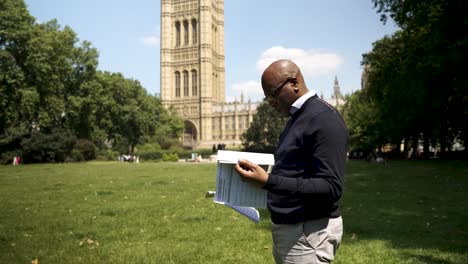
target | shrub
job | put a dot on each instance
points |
(76, 155)
(205, 153)
(7, 157)
(107, 154)
(53, 147)
(148, 147)
(156, 155)
(10, 143)
(170, 157)
(149, 151)
(180, 151)
(86, 148)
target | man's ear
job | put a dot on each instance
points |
(295, 84)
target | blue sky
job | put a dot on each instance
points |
(325, 38)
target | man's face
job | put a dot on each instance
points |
(276, 94)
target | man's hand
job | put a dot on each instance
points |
(251, 172)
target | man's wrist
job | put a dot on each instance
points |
(270, 182)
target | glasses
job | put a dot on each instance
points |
(276, 91)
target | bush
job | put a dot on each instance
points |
(148, 147)
(170, 157)
(156, 155)
(107, 154)
(7, 157)
(54, 147)
(86, 148)
(149, 151)
(180, 151)
(10, 143)
(76, 155)
(205, 153)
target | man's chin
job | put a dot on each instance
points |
(283, 113)
(279, 111)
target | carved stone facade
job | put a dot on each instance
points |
(337, 99)
(192, 73)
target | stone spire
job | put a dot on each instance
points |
(336, 89)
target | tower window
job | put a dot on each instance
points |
(186, 93)
(186, 33)
(177, 84)
(177, 26)
(194, 32)
(194, 83)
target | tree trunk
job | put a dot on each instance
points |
(414, 154)
(464, 136)
(426, 143)
(405, 147)
(443, 142)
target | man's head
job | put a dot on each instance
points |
(282, 84)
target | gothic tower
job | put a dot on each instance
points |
(336, 89)
(192, 63)
(337, 96)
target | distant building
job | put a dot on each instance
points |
(337, 99)
(192, 73)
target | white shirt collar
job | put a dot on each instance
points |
(300, 101)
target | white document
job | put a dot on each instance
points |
(231, 191)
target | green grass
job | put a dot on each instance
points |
(403, 212)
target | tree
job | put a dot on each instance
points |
(391, 88)
(49, 83)
(362, 119)
(16, 25)
(416, 77)
(264, 131)
(170, 126)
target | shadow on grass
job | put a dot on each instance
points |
(265, 222)
(429, 259)
(411, 204)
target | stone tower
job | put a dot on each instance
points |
(192, 63)
(337, 96)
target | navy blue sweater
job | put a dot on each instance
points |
(307, 179)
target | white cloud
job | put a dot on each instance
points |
(312, 62)
(151, 40)
(252, 89)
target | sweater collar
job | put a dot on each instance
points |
(300, 101)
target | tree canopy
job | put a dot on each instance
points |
(264, 131)
(49, 82)
(415, 87)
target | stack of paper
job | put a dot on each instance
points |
(239, 195)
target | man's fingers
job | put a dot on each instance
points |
(247, 165)
(249, 171)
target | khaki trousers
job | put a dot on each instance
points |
(313, 241)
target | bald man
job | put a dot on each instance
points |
(306, 183)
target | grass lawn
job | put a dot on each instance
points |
(402, 212)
